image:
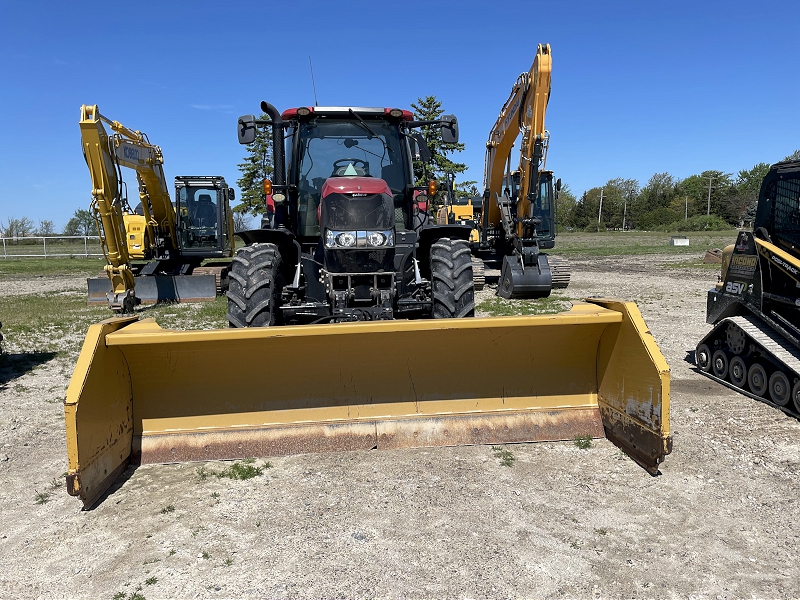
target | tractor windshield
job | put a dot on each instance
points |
(343, 149)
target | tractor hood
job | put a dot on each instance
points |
(356, 203)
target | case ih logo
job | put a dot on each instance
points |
(742, 246)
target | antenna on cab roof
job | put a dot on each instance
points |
(312, 81)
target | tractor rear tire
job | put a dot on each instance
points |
(451, 278)
(255, 284)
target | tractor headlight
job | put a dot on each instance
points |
(340, 239)
(376, 239)
(359, 239)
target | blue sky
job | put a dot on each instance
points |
(638, 87)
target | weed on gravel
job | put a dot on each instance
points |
(241, 470)
(507, 458)
(584, 442)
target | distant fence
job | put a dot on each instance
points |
(37, 246)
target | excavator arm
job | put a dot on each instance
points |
(106, 202)
(105, 154)
(523, 112)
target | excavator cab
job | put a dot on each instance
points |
(203, 214)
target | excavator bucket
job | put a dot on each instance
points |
(147, 395)
(159, 288)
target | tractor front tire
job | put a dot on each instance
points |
(255, 284)
(451, 278)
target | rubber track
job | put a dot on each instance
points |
(561, 271)
(453, 287)
(770, 343)
(478, 274)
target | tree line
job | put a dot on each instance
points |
(82, 223)
(709, 200)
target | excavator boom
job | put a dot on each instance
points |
(135, 394)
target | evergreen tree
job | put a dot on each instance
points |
(257, 167)
(429, 109)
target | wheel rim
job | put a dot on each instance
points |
(796, 396)
(735, 338)
(719, 364)
(780, 388)
(738, 371)
(757, 379)
(703, 357)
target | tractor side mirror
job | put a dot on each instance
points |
(449, 129)
(246, 129)
(231, 194)
(422, 149)
(558, 184)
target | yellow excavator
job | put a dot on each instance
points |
(518, 216)
(174, 239)
(335, 311)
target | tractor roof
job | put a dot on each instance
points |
(365, 112)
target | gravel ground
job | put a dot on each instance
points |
(719, 522)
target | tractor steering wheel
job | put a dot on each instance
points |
(340, 166)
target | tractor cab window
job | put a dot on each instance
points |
(198, 217)
(345, 149)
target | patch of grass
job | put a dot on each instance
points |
(215, 495)
(206, 555)
(42, 497)
(168, 509)
(574, 545)
(172, 552)
(241, 470)
(500, 307)
(627, 243)
(694, 409)
(584, 442)
(151, 561)
(507, 458)
(119, 596)
(151, 581)
(203, 473)
(195, 532)
(227, 562)
(693, 264)
(55, 484)
(600, 531)
(258, 523)
(15, 267)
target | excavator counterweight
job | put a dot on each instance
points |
(135, 394)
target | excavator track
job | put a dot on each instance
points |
(478, 274)
(220, 274)
(560, 270)
(737, 343)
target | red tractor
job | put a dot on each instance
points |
(348, 240)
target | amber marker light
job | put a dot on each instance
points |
(267, 187)
(431, 189)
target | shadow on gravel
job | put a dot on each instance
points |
(16, 365)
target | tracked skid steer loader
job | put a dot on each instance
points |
(337, 310)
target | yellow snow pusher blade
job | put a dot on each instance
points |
(143, 394)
